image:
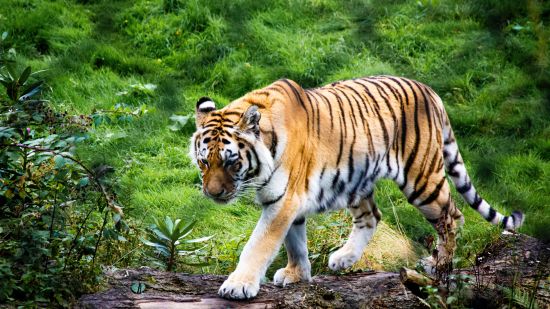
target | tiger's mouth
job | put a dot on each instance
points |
(224, 199)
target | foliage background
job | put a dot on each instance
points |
(488, 60)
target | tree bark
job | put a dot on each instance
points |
(514, 260)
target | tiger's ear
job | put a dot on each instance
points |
(205, 105)
(250, 120)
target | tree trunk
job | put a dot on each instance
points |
(515, 261)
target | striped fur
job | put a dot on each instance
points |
(311, 150)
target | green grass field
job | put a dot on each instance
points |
(489, 61)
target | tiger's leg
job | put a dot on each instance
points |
(440, 210)
(298, 267)
(261, 248)
(365, 219)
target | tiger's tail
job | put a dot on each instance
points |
(456, 169)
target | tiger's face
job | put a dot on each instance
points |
(228, 151)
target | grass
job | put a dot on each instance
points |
(489, 62)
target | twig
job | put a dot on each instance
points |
(99, 237)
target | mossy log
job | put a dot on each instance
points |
(516, 260)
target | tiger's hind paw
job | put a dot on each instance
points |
(288, 275)
(428, 265)
(342, 259)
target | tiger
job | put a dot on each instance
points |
(307, 151)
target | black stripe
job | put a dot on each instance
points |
(341, 147)
(325, 99)
(435, 193)
(322, 173)
(229, 113)
(429, 121)
(342, 112)
(394, 116)
(428, 172)
(278, 198)
(351, 168)
(357, 98)
(465, 188)
(312, 112)
(274, 141)
(352, 112)
(217, 124)
(398, 82)
(299, 97)
(492, 214)
(412, 156)
(318, 116)
(321, 195)
(433, 221)
(378, 114)
(362, 215)
(335, 179)
(504, 221)
(206, 109)
(416, 193)
(477, 202)
(339, 189)
(403, 117)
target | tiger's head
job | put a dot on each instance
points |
(228, 150)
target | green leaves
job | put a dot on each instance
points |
(121, 113)
(59, 162)
(31, 90)
(168, 238)
(182, 123)
(55, 211)
(16, 87)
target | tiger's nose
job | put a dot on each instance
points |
(214, 193)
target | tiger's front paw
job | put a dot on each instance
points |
(290, 275)
(342, 259)
(233, 288)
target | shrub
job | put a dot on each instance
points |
(56, 213)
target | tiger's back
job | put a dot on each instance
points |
(360, 130)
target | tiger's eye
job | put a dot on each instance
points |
(205, 162)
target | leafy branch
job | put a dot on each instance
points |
(108, 198)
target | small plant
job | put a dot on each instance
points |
(121, 113)
(167, 237)
(520, 298)
(434, 299)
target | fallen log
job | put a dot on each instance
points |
(515, 260)
(414, 281)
